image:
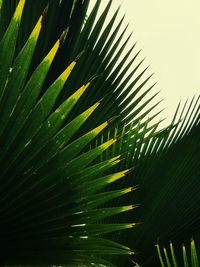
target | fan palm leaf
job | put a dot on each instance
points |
(47, 215)
(166, 170)
(61, 82)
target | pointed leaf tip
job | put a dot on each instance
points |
(63, 35)
(131, 225)
(37, 28)
(108, 143)
(100, 127)
(53, 52)
(116, 158)
(117, 176)
(127, 208)
(130, 170)
(19, 10)
(79, 55)
(45, 10)
(67, 71)
(129, 189)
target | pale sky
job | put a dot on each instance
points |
(169, 34)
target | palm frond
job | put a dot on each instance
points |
(167, 172)
(59, 148)
(167, 256)
(50, 195)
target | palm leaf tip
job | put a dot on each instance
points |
(19, 10)
(49, 58)
(118, 175)
(67, 71)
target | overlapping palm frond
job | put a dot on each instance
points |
(166, 170)
(68, 110)
(170, 187)
(168, 256)
(101, 51)
(165, 163)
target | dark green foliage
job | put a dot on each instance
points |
(71, 122)
(50, 200)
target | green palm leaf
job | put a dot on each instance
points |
(50, 195)
(166, 172)
(169, 258)
(61, 186)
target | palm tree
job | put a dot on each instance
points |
(72, 125)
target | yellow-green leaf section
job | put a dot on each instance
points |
(19, 10)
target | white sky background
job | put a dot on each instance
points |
(169, 34)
